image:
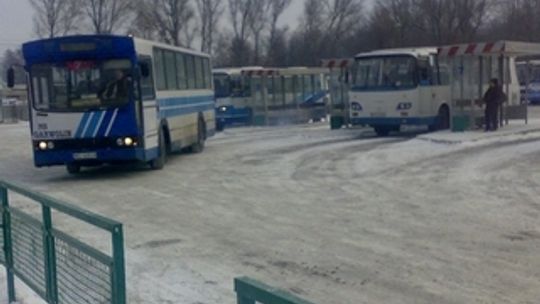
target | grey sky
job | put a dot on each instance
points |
(16, 24)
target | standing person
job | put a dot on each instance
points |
(493, 98)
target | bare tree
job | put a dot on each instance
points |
(170, 21)
(106, 16)
(240, 11)
(210, 12)
(55, 17)
(258, 21)
(342, 18)
(276, 40)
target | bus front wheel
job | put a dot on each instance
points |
(443, 120)
(382, 131)
(198, 147)
(159, 162)
(73, 168)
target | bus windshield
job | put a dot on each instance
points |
(81, 85)
(385, 73)
(222, 85)
(230, 86)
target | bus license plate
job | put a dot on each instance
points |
(378, 114)
(85, 156)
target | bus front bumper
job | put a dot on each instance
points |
(393, 121)
(89, 157)
(231, 115)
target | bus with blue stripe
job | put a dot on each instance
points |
(271, 96)
(104, 99)
(232, 93)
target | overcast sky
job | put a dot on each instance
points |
(16, 24)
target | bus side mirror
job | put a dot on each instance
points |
(145, 69)
(11, 77)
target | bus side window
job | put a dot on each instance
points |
(425, 75)
(147, 79)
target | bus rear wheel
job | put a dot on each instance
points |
(382, 131)
(443, 120)
(73, 168)
(198, 147)
(159, 162)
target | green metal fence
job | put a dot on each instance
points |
(249, 291)
(58, 267)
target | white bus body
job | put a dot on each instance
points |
(392, 88)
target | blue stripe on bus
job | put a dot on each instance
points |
(166, 113)
(105, 123)
(176, 101)
(82, 124)
(93, 125)
(170, 107)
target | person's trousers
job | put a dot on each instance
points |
(492, 118)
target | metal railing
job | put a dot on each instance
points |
(57, 266)
(249, 291)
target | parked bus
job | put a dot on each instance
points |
(232, 94)
(257, 95)
(288, 95)
(529, 80)
(108, 99)
(392, 88)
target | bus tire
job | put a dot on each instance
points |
(382, 131)
(220, 126)
(443, 119)
(73, 168)
(198, 147)
(159, 162)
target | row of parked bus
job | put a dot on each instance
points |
(108, 99)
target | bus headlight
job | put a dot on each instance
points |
(44, 145)
(128, 141)
(223, 109)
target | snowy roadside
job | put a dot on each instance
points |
(297, 206)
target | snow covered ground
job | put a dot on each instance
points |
(336, 217)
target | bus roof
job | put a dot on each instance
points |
(235, 71)
(96, 47)
(286, 71)
(149, 43)
(419, 51)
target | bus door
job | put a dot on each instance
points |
(427, 80)
(148, 104)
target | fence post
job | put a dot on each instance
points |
(119, 277)
(50, 256)
(8, 248)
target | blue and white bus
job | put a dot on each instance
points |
(232, 97)
(110, 99)
(258, 95)
(392, 88)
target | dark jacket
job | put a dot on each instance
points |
(494, 96)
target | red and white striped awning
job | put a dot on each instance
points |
(474, 49)
(260, 72)
(337, 63)
(509, 48)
